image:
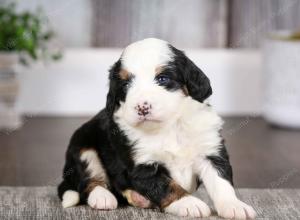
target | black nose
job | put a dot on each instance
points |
(143, 109)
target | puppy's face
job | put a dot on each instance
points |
(150, 81)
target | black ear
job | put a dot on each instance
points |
(196, 82)
(111, 97)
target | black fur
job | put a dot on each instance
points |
(152, 181)
(222, 164)
(182, 72)
(116, 91)
(196, 82)
(93, 134)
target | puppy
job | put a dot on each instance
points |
(154, 142)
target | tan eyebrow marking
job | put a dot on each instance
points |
(185, 91)
(124, 74)
(158, 70)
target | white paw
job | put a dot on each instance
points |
(235, 209)
(189, 206)
(101, 198)
(70, 198)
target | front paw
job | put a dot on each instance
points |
(189, 206)
(235, 209)
(101, 198)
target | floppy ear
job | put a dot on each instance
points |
(197, 83)
(111, 101)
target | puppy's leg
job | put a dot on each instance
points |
(72, 174)
(154, 182)
(215, 173)
(94, 187)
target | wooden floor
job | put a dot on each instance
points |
(262, 156)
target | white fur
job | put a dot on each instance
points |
(94, 166)
(101, 198)
(70, 198)
(180, 142)
(189, 206)
(142, 57)
(222, 193)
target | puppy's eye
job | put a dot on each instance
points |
(162, 80)
(126, 84)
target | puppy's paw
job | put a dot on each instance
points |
(101, 198)
(136, 199)
(189, 206)
(235, 209)
(70, 198)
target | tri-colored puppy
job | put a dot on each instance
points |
(154, 142)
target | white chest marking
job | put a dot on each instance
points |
(179, 145)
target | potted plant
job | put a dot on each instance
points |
(24, 37)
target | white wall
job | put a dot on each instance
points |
(77, 85)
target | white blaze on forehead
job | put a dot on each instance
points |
(142, 57)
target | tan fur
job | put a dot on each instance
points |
(124, 74)
(158, 70)
(176, 192)
(93, 183)
(95, 169)
(185, 91)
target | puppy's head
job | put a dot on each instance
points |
(150, 81)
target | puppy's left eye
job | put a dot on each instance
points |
(162, 80)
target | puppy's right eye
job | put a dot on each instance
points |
(163, 80)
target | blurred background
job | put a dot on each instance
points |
(54, 57)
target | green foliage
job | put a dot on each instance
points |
(26, 33)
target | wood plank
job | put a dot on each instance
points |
(193, 23)
(251, 21)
